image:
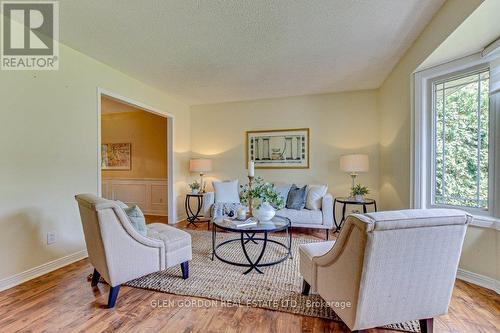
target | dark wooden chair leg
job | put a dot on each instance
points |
(306, 288)
(327, 234)
(426, 325)
(113, 295)
(95, 278)
(185, 269)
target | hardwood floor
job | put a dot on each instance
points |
(64, 301)
(156, 219)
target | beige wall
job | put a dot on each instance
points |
(147, 134)
(48, 144)
(395, 104)
(481, 253)
(339, 124)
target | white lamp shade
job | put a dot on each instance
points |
(200, 165)
(354, 163)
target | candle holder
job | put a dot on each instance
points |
(250, 199)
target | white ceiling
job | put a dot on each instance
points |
(217, 51)
(477, 31)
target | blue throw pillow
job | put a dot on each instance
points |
(137, 219)
(296, 197)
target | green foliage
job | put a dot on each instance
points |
(359, 190)
(261, 192)
(195, 185)
(461, 150)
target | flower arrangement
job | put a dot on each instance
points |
(195, 186)
(261, 192)
(359, 190)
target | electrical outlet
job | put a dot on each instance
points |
(51, 237)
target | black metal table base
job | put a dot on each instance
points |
(244, 239)
(344, 203)
(193, 217)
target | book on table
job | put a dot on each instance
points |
(250, 222)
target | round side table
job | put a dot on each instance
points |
(350, 201)
(193, 217)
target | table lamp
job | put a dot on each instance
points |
(201, 165)
(353, 164)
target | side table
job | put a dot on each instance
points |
(193, 217)
(350, 201)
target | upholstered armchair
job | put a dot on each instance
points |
(391, 267)
(119, 253)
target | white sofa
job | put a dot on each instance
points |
(307, 218)
(304, 218)
(391, 267)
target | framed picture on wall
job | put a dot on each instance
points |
(116, 156)
(278, 149)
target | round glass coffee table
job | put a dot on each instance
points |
(256, 234)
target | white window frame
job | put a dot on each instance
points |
(432, 178)
(422, 140)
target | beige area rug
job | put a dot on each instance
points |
(279, 288)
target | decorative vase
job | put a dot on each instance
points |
(195, 191)
(359, 198)
(265, 212)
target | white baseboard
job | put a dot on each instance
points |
(34, 272)
(480, 280)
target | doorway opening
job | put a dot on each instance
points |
(135, 156)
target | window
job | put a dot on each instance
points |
(456, 138)
(460, 140)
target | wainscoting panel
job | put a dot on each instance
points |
(149, 194)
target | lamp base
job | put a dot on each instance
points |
(202, 186)
(353, 177)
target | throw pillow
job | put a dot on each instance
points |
(283, 190)
(229, 209)
(315, 194)
(137, 219)
(226, 191)
(296, 198)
